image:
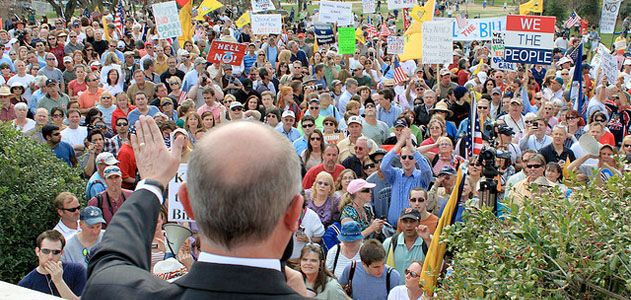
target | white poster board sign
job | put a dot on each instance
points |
(609, 15)
(609, 64)
(336, 12)
(176, 211)
(497, 53)
(266, 24)
(395, 45)
(400, 4)
(368, 6)
(262, 5)
(167, 19)
(437, 43)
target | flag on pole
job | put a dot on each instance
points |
(243, 20)
(399, 73)
(436, 251)
(206, 7)
(385, 31)
(86, 13)
(119, 18)
(572, 20)
(532, 6)
(473, 140)
(186, 21)
(576, 89)
(359, 35)
(371, 30)
(413, 36)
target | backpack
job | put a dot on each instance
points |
(394, 243)
(348, 288)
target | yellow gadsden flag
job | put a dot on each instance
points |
(532, 6)
(206, 7)
(359, 35)
(186, 21)
(413, 36)
(243, 20)
(436, 251)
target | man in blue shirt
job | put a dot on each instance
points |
(371, 278)
(406, 178)
(51, 276)
(249, 59)
(387, 111)
(61, 149)
(297, 53)
(286, 127)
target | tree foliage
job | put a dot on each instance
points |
(30, 179)
(551, 248)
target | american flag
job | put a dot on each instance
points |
(385, 31)
(371, 30)
(119, 19)
(474, 145)
(572, 20)
(399, 73)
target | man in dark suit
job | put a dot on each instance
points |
(246, 208)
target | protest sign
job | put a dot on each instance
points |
(346, 40)
(336, 12)
(474, 29)
(497, 53)
(529, 39)
(176, 211)
(324, 33)
(167, 22)
(368, 6)
(400, 4)
(395, 44)
(608, 63)
(437, 43)
(266, 24)
(609, 15)
(262, 5)
(226, 52)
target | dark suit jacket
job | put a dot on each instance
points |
(119, 268)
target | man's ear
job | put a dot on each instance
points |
(186, 203)
(293, 213)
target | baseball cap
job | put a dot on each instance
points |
(199, 61)
(445, 72)
(111, 171)
(377, 152)
(354, 119)
(106, 158)
(350, 232)
(357, 185)
(235, 104)
(516, 101)
(563, 60)
(67, 59)
(51, 82)
(288, 113)
(410, 213)
(335, 82)
(166, 100)
(91, 215)
(400, 123)
(448, 170)
(496, 90)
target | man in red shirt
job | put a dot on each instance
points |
(329, 165)
(127, 165)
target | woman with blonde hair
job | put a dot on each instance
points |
(343, 180)
(283, 57)
(110, 80)
(436, 129)
(445, 156)
(321, 199)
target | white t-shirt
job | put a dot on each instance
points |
(312, 228)
(74, 137)
(399, 292)
(342, 261)
(26, 80)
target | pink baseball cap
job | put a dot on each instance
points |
(357, 185)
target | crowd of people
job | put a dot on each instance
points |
(377, 158)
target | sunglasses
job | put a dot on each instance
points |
(364, 191)
(57, 115)
(316, 138)
(534, 166)
(72, 209)
(122, 124)
(359, 148)
(408, 157)
(599, 120)
(106, 97)
(49, 251)
(412, 274)
(419, 200)
(314, 107)
(329, 123)
(307, 125)
(483, 107)
(627, 145)
(237, 108)
(50, 59)
(324, 183)
(369, 166)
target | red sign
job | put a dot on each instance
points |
(530, 23)
(226, 52)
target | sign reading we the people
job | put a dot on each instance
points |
(176, 212)
(167, 20)
(529, 39)
(226, 52)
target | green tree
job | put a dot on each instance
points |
(550, 248)
(555, 8)
(30, 178)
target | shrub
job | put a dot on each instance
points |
(30, 178)
(551, 248)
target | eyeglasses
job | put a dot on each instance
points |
(49, 251)
(419, 200)
(535, 166)
(307, 125)
(324, 183)
(238, 108)
(408, 157)
(359, 148)
(57, 115)
(329, 124)
(364, 191)
(72, 209)
(412, 273)
(369, 166)
(315, 138)
(314, 107)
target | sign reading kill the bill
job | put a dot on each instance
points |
(176, 212)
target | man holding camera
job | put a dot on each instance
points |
(535, 137)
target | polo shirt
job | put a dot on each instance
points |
(135, 114)
(403, 256)
(64, 152)
(293, 133)
(388, 116)
(310, 177)
(49, 103)
(551, 155)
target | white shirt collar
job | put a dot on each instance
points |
(267, 263)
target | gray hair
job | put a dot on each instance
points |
(365, 139)
(233, 195)
(21, 106)
(350, 82)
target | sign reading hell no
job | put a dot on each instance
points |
(226, 53)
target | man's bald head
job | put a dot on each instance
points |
(241, 178)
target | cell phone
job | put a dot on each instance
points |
(535, 125)
(154, 245)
